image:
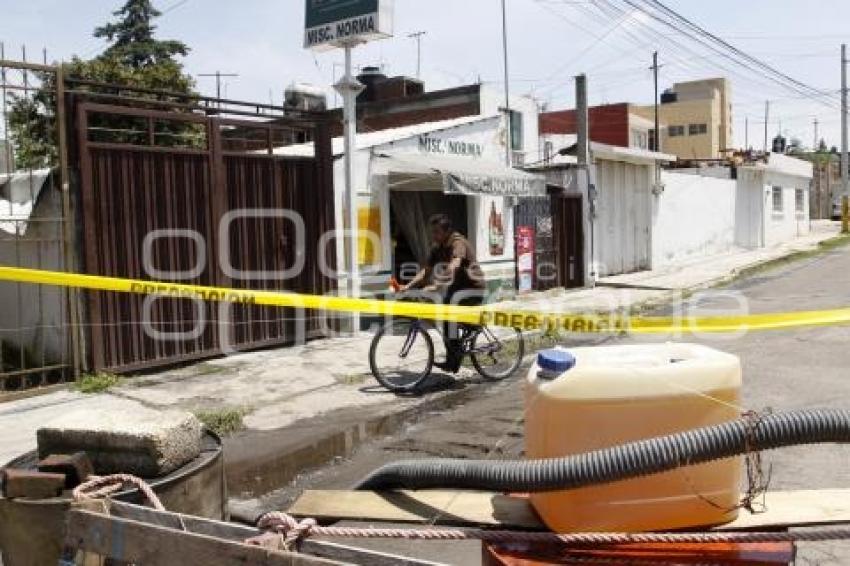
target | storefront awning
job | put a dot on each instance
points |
(457, 175)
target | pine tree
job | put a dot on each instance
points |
(134, 58)
(132, 37)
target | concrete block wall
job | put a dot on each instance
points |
(693, 217)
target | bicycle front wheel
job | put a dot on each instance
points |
(402, 355)
(497, 354)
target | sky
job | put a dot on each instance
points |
(550, 41)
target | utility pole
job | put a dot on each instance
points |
(655, 67)
(582, 122)
(766, 123)
(583, 161)
(747, 133)
(815, 144)
(218, 76)
(418, 37)
(508, 133)
(844, 139)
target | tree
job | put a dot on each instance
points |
(133, 58)
(822, 147)
(132, 37)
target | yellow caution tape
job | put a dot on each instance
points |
(490, 316)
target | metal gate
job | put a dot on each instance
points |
(37, 324)
(183, 197)
(624, 219)
(568, 219)
(558, 240)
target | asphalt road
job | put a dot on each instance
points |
(805, 368)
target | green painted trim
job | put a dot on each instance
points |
(324, 12)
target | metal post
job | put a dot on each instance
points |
(349, 87)
(508, 135)
(68, 224)
(844, 140)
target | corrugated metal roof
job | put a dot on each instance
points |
(368, 140)
(19, 194)
(607, 152)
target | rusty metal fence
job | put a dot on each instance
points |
(134, 182)
(157, 188)
(38, 330)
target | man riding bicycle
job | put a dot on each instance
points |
(454, 271)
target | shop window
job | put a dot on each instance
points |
(517, 129)
(675, 131)
(800, 200)
(778, 204)
(697, 129)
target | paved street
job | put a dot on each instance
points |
(782, 370)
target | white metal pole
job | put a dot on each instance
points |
(349, 87)
(508, 139)
(844, 136)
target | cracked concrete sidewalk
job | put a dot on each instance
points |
(278, 389)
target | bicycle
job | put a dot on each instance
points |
(401, 356)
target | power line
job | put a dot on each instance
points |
(678, 47)
(793, 83)
(703, 42)
(756, 71)
(174, 6)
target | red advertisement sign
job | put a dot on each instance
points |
(525, 258)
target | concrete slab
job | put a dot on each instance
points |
(145, 442)
(19, 420)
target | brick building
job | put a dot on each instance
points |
(610, 124)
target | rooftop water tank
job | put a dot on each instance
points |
(305, 98)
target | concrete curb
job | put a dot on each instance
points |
(259, 462)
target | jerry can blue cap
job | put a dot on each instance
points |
(556, 361)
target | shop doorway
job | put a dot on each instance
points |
(409, 214)
(568, 220)
(556, 227)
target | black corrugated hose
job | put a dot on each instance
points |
(629, 461)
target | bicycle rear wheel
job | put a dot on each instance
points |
(497, 355)
(402, 355)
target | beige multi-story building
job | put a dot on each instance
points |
(696, 118)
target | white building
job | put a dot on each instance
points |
(773, 201)
(618, 219)
(691, 213)
(405, 175)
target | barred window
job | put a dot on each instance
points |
(778, 204)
